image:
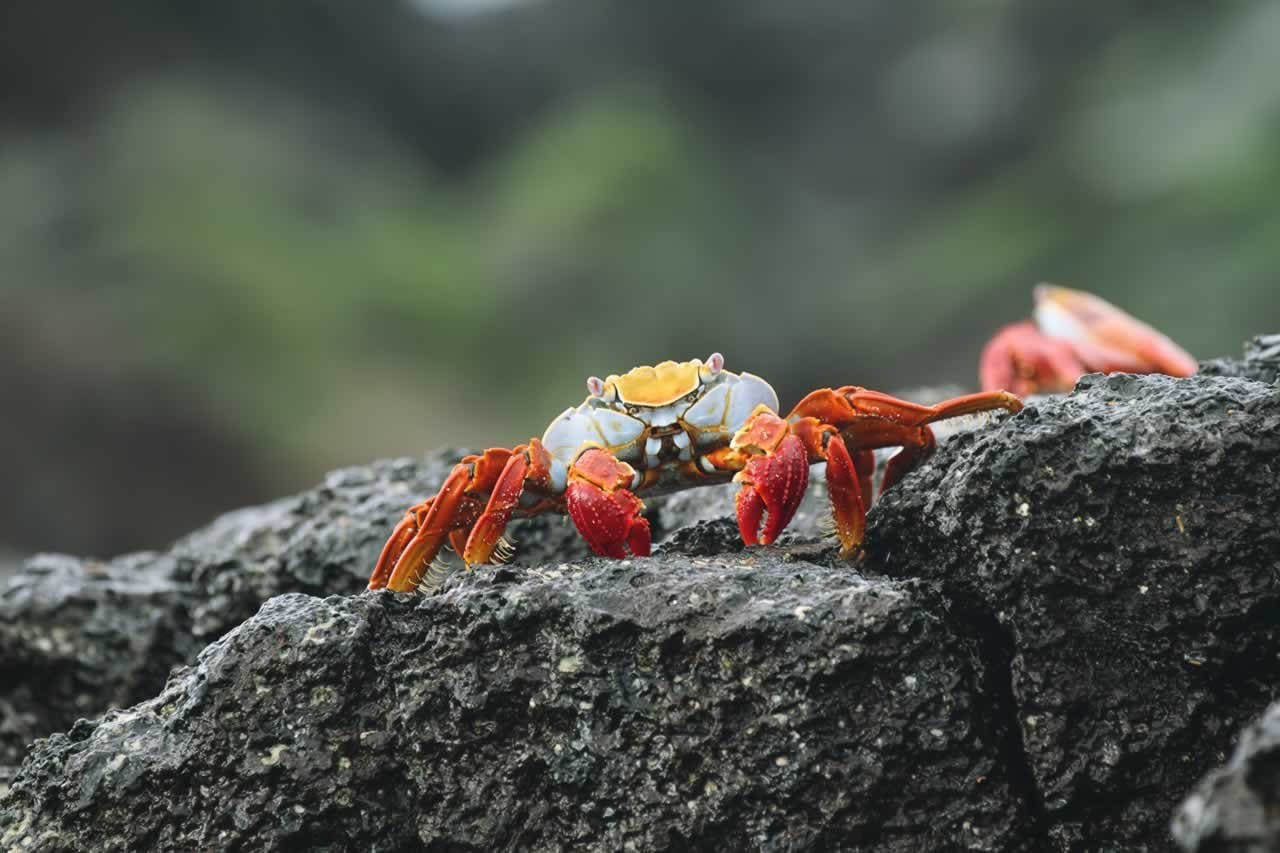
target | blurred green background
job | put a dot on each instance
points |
(244, 242)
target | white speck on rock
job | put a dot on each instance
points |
(272, 757)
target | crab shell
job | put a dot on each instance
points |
(662, 418)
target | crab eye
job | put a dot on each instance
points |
(691, 397)
(632, 409)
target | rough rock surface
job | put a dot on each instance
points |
(79, 636)
(727, 704)
(1236, 809)
(1060, 621)
(1123, 541)
(1261, 361)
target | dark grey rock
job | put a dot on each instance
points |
(1081, 606)
(1236, 809)
(1124, 540)
(79, 636)
(738, 703)
(1261, 361)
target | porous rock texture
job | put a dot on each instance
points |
(1121, 545)
(78, 635)
(1236, 808)
(1059, 623)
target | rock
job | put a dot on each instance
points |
(1059, 621)
(1236, 809)
(80, 636)
(1261, 361)
(742, 702)
(1123, 542)
(77, 637)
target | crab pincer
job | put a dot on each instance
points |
(773, 480)
(603, 509)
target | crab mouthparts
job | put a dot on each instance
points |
(665, 431)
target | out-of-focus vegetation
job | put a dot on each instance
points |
(245, 242)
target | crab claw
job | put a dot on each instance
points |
(1022, 359)
(773, 480)
(605, 512)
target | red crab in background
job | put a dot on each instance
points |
(1075, 333)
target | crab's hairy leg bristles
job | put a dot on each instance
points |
(435, 576)
(603, 509)
(848, 510)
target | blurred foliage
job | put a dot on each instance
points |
(243, 243)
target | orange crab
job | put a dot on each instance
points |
(666, 428)
(1075, 333)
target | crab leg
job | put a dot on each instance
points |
(418, 537)
(603, 509)
(528, 467)
(846, 485)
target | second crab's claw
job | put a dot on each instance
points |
(773, 480)
(605, 512)
(1022, 359)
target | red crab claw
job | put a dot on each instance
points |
(605, 512)
(1022, 359)
(774, 478)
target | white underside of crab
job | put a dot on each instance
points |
(650, 437)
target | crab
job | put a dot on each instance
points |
(659, 429)
(1075, 333)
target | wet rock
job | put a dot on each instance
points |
(1123, 542)
(738, 703)
(1236, 809)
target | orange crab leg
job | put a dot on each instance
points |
(528, 466)
(847, 507)
(418, 537)
(603, 509)
(402, 564)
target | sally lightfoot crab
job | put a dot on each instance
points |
(663, 429)
(1074, 333)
